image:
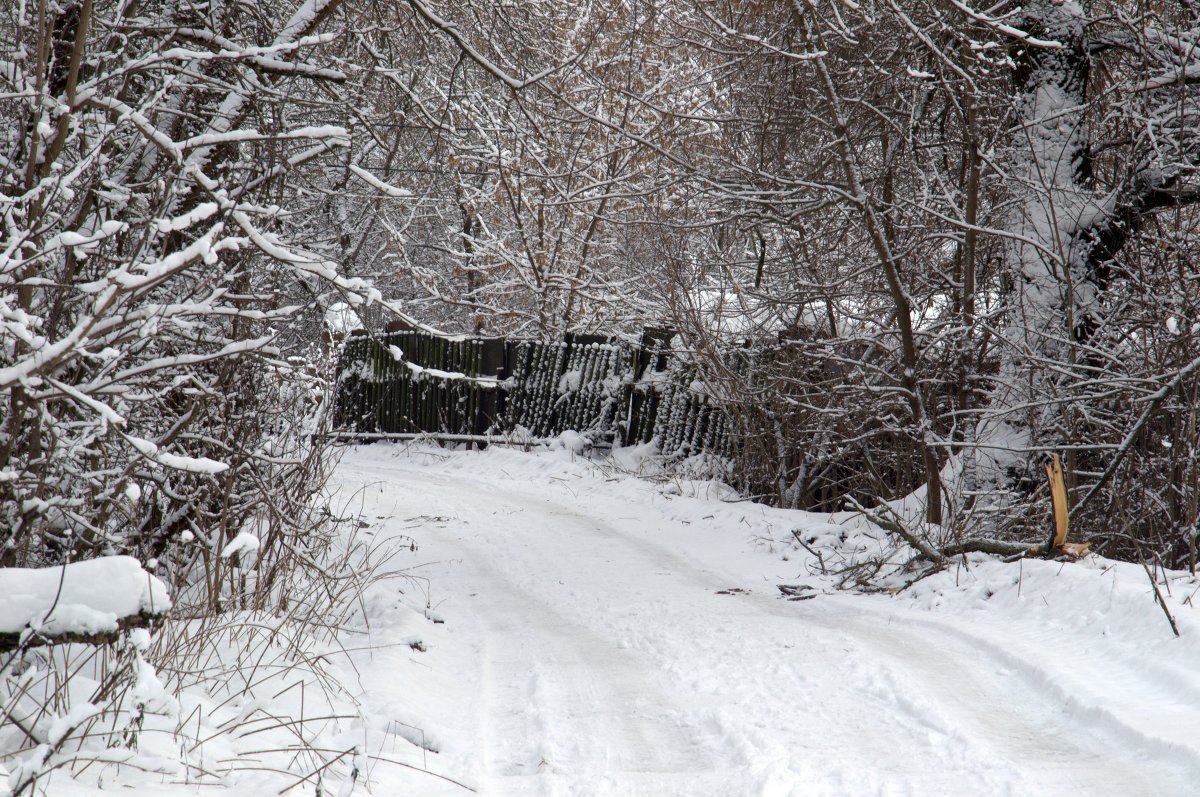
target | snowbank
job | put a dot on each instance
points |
(79, 598)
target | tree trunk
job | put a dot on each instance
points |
(1051, 280)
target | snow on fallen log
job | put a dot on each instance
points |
(91, 601)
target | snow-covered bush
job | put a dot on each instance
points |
(157, 393)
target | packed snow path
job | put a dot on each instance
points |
(605, 637)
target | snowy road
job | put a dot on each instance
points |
(588, 649)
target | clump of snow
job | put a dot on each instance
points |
(148, 690)
(571, 441)
(244, 542)
(341, 320)
(421, 372)
(570, 382)
(175, 461)
(81, 597)
(642, 459)
(387, 188)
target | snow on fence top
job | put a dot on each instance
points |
(81, 601)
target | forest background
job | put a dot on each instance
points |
(954, 240)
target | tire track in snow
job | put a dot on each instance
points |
(1107, 743)
(794, 740)
(566, 706)
(976, 707)
(978, 701)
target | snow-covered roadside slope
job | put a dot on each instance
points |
(606, 635)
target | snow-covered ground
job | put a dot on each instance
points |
(566, 628)
(589, 633)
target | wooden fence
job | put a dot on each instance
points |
(410, 384)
